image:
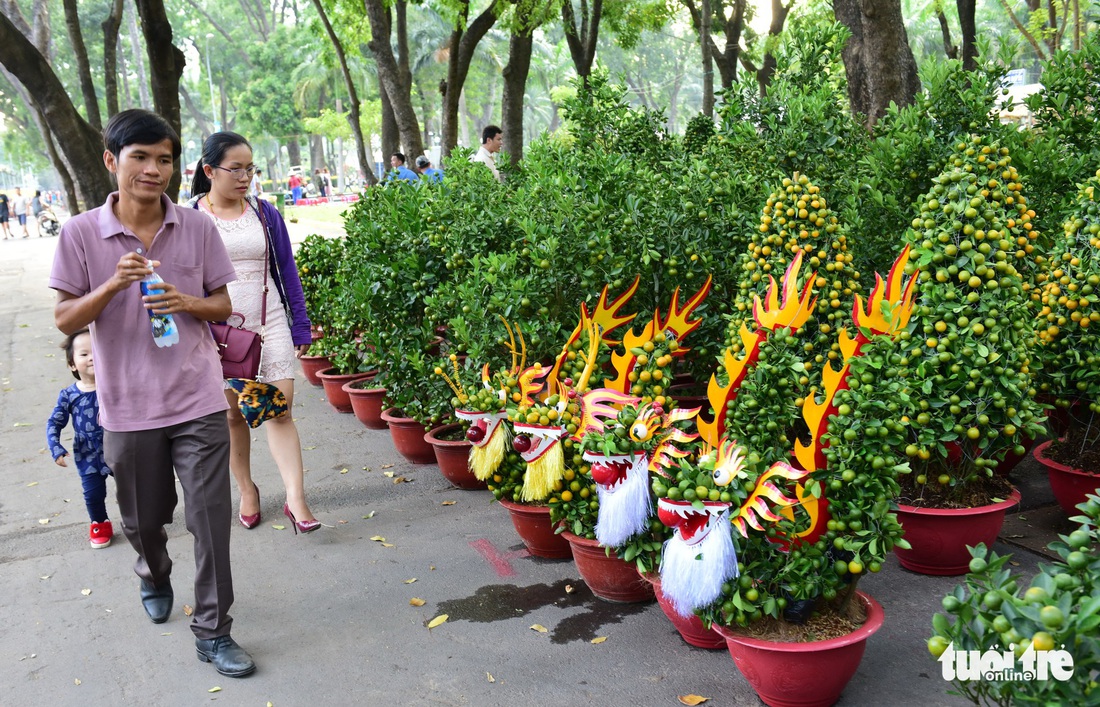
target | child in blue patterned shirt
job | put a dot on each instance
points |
(79, 402)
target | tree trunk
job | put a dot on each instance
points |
(969, 39)
(389, 73)
(139, 61)
(293, 152)
(391, 137)
(520, 46)
(464, 40)
(464, 124)
(705, 16)
(167, 63)
(316, 153)
(111, 26)
(362, 149)
(582, 39)
(877, 59)
(82, 144)
(83, 68)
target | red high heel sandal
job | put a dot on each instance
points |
(250, 522)
(306, 526)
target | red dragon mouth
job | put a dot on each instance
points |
(611, 471)
(690, 522)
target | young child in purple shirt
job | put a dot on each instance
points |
(79, 402)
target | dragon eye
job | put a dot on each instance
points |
(723, 475)
(640, 432)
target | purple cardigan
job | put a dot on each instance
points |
(284, 271)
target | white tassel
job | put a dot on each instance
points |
(625, 512)
(692, 575)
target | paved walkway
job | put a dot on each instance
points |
(327, 616)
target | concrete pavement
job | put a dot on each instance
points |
(327, 616)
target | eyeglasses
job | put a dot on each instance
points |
(239, 171)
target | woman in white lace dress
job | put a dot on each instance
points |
(220, 189)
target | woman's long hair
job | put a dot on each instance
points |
(213, 152)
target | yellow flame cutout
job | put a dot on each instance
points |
(755, 508)
(888, 313)
(795, 310)
(678, 324)
(606, 319)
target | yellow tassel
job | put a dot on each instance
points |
(486, 460)
(541, 474)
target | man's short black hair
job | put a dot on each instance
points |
(399, 156)
(490, 132)
(137, 126)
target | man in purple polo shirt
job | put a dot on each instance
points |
(161, 408)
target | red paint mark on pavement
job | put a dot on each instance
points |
(501, 562)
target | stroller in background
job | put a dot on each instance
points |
(48, 225)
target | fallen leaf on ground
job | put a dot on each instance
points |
(438, 620)
(400, 480)
(279, 527)
(22, 424)
(368, 516)
(448, 503)
(569, 589)
(45, 576)
(431, 567)
(388, 474)
(540, 628)
(599, 639)
(33, 483)
(417, 601)
(342, 522)
(76, 681)
(344, 470)
(86, 592)
(378, 538)
(490, 677)
(366, 468)
(215, 689)
(166, 633)
(308, 448)
(43, 521)
(692, 700)
(188, 610)
(410, 581)
(387, 544)
(387, 466)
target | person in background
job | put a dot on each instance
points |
(427, 171)
(400, 171)
(255, 187)
(19, 206)
(79, 402)
(5, 215)
(220, 187)
(36, 208)
(328, 181)
(294, 183)
(492, 138)
(162, 408)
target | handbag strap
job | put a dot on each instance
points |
(267, 255)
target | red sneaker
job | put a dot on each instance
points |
(100, 534)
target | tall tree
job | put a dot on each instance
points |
(729, 15)
(111, 27)
(527, 15)
(81, 144)
(83, 67)
(166, 67)
(878, 62)
(464, 40)
(398, 90)
(362, 149)
(582, 30)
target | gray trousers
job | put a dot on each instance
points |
(142, 463)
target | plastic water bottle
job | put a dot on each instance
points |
(165, 332)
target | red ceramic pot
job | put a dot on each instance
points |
(367, 402)
(691, 628)
(608, 576)
(333, 384)
(408, 438)
(1070, 486)
(537, 532)
(453, 457)
(809, 674)
(312, 365)
(940, 536)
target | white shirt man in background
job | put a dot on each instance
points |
(491, 139)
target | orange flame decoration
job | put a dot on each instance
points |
(888, 312)
(793, 313)
(678, 324)
(529, 385)
(600, 405)
(666, 454)
(756, 507)
(605, 317)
